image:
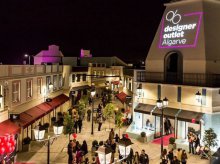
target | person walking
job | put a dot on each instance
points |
(170, 156)
(75, 124)
(116, 138)
(99, 122)
(70, 152)
(89, 111)
(130, 156)
(111, 134)
(144, 159)
(175, 160)
(179, 154)
(136, 158)
(80, 124)
(191, 140)
(164, 157)
(184, 157)
(84, 148)
(113, 148)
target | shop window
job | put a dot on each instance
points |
(16, 91)
(84, 77)
(94, 64)
(73, 78)
(98, 65)
(29, 88)
(39, 85)
(55, 82)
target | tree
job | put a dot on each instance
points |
(210, 139)
(85, 100)
(119, 120)
(68, 125)
(81, 108)
(108, 111)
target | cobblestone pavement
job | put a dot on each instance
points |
(58, 151)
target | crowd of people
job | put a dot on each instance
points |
(169, 157)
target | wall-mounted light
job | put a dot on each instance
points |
(198, 96)
(139, 90)
(1, 98)
(50, 85)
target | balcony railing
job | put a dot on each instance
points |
(191, 79)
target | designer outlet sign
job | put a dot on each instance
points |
(180, 30)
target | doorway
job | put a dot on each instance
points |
(173, 72)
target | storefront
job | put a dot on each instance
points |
(148, 118)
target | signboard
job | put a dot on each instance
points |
(180, 30)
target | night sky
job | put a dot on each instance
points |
(106, 27)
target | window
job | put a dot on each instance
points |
(39, 85)
(55, 82)
(78, 77)
(29, 89)
(16, 89)
(73, 78)
(84, 77)
(94, 64)
(60, 81)
(1, 93)
(48, 80)
(98, 65)
(103, 73)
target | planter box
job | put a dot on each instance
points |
(143, 139)
(26, 147)
(172, 146)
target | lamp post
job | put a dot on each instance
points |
(124, 147)
(92, 95)
(161, 104)
(29, 58)
(39, 136)
(104, 154)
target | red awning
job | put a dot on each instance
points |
(59, 100)
(9, 127)
(115, 82)
(45, 107)
(122, 97)
(33, 114)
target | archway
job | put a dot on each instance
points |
(173, 72)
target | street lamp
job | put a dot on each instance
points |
(50, 85)
(92, 95)
(124, 147)
(39, 136)
(104, 154)
(161, 104)
(29, 58)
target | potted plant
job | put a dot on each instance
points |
(26, 144)
(143, 137)
(94, 146)
(172, 144)
(46, 126)
(210, 140)
(53, 120)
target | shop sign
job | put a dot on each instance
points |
(180, 30)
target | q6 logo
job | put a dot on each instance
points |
(173, 17)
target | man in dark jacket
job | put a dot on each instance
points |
(144, 159)
(70, 152)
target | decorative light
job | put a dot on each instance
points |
(165, 102)
(125, 146)
(58, 130)
(104, 154)
(39, 134)
(159, 103)
(50, 85)
(93, 90)
(198, 96)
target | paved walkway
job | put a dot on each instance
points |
(58, 151)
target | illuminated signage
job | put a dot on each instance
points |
(180, 31)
